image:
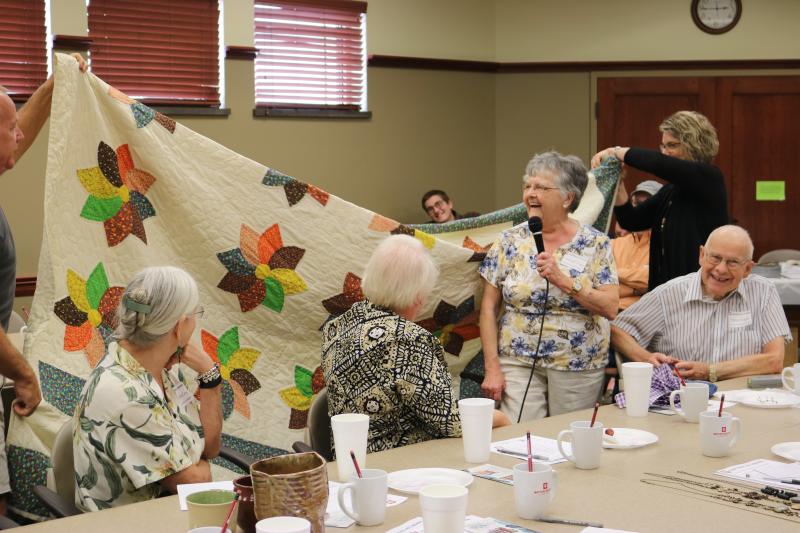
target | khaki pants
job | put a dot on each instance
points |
(552, 392)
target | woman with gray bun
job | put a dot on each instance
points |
(150, 415)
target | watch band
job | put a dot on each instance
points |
(712, 372)
(210, 378)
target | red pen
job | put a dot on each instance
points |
(678, 372)
(721, 401)
(355, 463)
(594, 415)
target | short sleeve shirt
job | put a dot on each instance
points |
(573, 338)
(129, 434)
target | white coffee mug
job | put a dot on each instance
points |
(350, 431)
(587, 444)
(791, 374)
(533, 491)
(444, 508)
(476, 428)
(368, 495)
(636, 381)
(693, 398)
(718, 433)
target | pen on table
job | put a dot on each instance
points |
(525, 455)
(569, 522)
(530, 452)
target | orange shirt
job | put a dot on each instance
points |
(632, 255)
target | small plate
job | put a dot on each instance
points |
(770, 399)
(628, 438)
(787, 450)
(412, 480)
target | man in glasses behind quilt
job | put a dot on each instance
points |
(716, 323)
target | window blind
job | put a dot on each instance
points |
(311, 54)
(23, 46)
(158, 51)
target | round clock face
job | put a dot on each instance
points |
(716, 16)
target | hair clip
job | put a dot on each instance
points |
(136, 306)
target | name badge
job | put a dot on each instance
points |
(573, 261)
(182, 395)
(739, 319)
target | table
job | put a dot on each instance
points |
(612, 494)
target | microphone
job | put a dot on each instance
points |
(535, 225)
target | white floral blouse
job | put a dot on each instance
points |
(128, 434)
(573, 338)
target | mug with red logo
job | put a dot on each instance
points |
(533, 491)
(718, 434)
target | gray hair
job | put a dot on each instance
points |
(736, 232)
(569, 171)
(153, 302)
(399, 271)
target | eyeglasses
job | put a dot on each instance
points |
(199, 312)
(538, 188)
(439, 204)
(671, 145)
(733, 264)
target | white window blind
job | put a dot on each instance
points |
(311, 54)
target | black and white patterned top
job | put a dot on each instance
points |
(380, 364)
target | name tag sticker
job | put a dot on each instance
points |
(573, 261)
(739, 319)
(182, 395)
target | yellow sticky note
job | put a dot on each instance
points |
(767, 191)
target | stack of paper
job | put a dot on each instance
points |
(765, 472)
(544, 449)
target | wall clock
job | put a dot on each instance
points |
(716, 16)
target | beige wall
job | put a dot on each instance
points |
(468, 133)
(649, 30)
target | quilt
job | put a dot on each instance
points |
(274, 257)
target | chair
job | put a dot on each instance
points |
(776, 256)
(61, 502)
(319, 428)
(7, 523)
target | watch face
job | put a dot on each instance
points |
(717, 14)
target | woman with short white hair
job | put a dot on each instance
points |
(138, 426)
(377, 361)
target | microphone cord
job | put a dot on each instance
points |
(538, 342)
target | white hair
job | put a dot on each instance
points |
(570, 174)
(399, 272)
(735, 231)
(153, 302)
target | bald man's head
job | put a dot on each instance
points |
(725, 260)
(10, 134)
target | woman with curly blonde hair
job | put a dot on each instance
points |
(689, 207)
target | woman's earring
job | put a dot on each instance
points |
(178, 353)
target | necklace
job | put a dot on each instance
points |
(745, 498)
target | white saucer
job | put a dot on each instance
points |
(787, 450)
(412, 480)
(628, 438)
(770, 399)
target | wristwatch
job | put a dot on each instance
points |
(712, 372)
(576, 287)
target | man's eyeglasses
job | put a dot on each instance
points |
(439, 204)
(733, 264)
(670, 145)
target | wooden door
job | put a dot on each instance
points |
(630, 110)
(759, 129)
(757, 122)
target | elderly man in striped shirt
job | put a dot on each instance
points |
(717, 323)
